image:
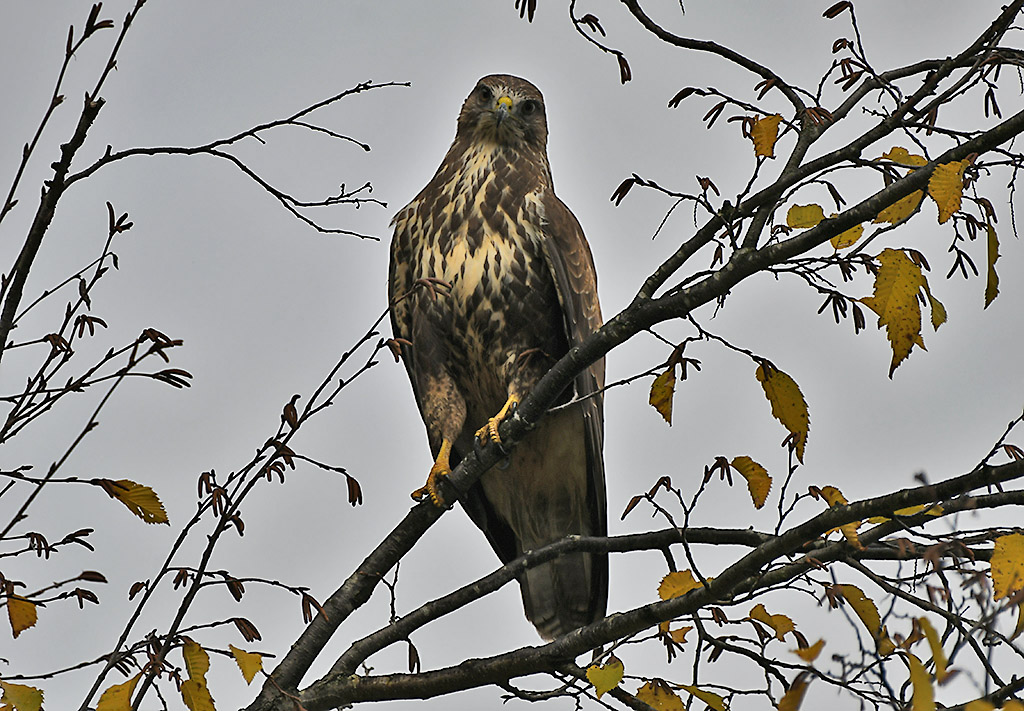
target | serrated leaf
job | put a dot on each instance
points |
(139, 499)
(22, 614)
(935, 644)
(992, 279)
(661, 393)
(901, 209)
(659, 696)
(847, 238)
(895, 302)
(21, 697)
(605, 677)
(931, 509)
(905, 207)
(764, 133)
(194, 691)
(196, 696)
(788, 404)
(804, 216)
(677, 583)
(924, 694)
(946, 187)
(758, 481)
(197, 661)
(794, 695)
(1007, 565)
(119, 696)
(809, 654)
(866, 610)
(835, 497)
(679, 635)
(901, 156)
(713, 700)
(779, 623)
(249, 663)
(938, 310)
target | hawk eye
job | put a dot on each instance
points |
(484, 93)
(530, 107)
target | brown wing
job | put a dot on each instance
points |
(571, 263)
(399, 285)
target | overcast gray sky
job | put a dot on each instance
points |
(266, 304)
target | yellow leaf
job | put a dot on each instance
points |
(946, 187)
(248, 662)
(868, 614)
(661, 393)
(197, 661)
(21, 612)
(140, 500)
(788, 404)
(764, 133)
(605, 677)
(835, 497)
(804, 216)
(194, 692)
(849, 531)
(992, 281)
(1013, 705)
(713, 701)
(979, 705)
(196, 696)
(119, 696)
(809, 654)
(21, 697)
(848, 238)
(679, 636)
(901, 209)
(938, 310)
(780, 623)
(924, 695)
(758, 481)
(901, 156)
(677, 583)
(938, 656)
(794, 696)
(930, 509)
(659, 696)
(895, 301)
(1007, 565)
(905, 207)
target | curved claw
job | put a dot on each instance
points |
(441, 468)
(490, 430)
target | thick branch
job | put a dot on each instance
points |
(641, 314)
(745, 574)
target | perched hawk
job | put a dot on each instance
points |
(491, 282)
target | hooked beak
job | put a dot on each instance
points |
(502, 109)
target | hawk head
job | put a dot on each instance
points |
(505, 110)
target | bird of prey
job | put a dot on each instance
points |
(491, 282)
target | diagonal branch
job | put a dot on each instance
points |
(743, 575)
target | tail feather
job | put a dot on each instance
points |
(552, 488)
(559, 595)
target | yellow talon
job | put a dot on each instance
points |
(441, 468)
(490, 430)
